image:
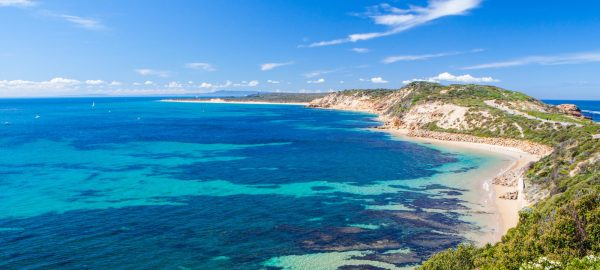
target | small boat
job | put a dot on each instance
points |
(37, 116)
(93, 104)
(6, 123)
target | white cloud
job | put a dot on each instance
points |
(321, 80)
(398, 20)
(174, 85)
(152, 72)
(53, 87)
(273, 81)
(148, 83)
(563, 59)
(378, 80)
(57, 82)
(207, 85)
(270, 66)
(360, 50)
(86, 23)
(16, 3)
(201, 66)
(447, 77)
(115, 83)
(94, 82)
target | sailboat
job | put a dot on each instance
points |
(93, 104)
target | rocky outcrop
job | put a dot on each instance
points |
(511, 195)
(570, 109)
(508, 179)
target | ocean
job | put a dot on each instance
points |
(133, 183)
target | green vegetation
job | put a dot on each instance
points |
(562, 230)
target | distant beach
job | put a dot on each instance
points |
(220, 100)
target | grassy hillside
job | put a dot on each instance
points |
(562, 230)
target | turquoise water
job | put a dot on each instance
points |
(133, 183)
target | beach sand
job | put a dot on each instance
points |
(507, 211)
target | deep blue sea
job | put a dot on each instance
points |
(133, 183)
(589, 108)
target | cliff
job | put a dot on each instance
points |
(564, 185)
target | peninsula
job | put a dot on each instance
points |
(549, 198)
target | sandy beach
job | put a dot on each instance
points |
(219, 100)
(507, 210)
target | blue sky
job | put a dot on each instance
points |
(548, 49)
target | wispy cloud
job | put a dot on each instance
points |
(360, 50)
(316, 73)
(447, 77)
(270, 66)
(87, 23)
(201, 66)
(152, 72)
(273, 81)
(16, 3)
(563, 59)
(207, 85)
(398, 20)
(321, 80)
(398, 58)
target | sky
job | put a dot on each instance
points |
(51, 48)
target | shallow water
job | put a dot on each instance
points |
(139, 184)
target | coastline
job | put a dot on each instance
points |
(519, 155)
(507, 211)
(222, 101)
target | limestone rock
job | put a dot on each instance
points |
(511, 195)
(570, 109)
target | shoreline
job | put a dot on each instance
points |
(520, 154)
(507, 211)
(222, 101)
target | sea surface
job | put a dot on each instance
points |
(589, 108)
(133, 183)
